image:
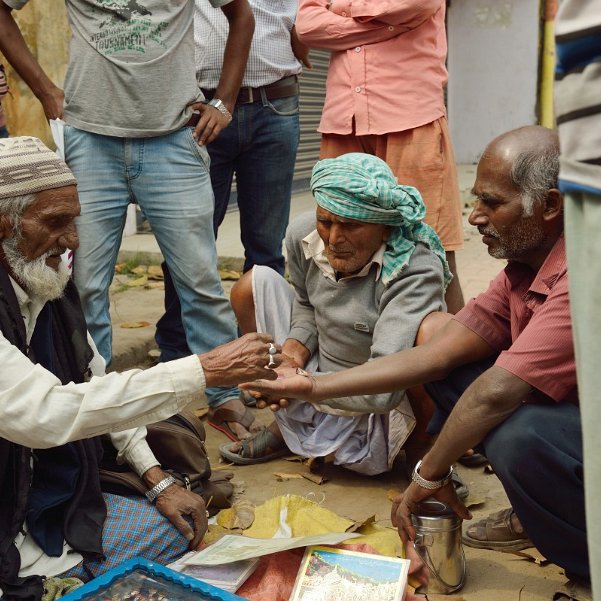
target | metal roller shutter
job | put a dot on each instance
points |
(312, 95)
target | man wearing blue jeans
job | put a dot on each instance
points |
(132, 136)
(259, 146)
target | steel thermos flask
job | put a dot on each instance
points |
(438, 543)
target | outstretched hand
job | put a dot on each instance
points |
(244, 359)
(289, 385)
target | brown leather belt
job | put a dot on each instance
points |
(287, 86)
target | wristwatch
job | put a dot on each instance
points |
(157, 489)
(218, 104)
(430, 484)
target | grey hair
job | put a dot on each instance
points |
(14, 206)
(535, 173)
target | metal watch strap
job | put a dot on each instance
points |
(218, 104)
(157, 489)
(430, 484)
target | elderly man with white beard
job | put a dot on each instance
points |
(54, 519)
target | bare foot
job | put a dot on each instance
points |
(235, 420)
(260, 446)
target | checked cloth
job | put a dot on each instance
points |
(133, 528)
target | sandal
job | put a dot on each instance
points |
(219, 417)
(574, 590)
(461, 489)
(496, 532)
(473, 460)
(265, 439)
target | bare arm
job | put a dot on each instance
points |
(453, 346)
(16, 51)
(295, 352)
(241, 29)
(486, 403)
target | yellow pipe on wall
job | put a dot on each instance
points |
(547, 116)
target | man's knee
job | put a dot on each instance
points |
(243, 304)
(431, 324)
(532, 434)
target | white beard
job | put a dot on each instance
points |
(38, 279)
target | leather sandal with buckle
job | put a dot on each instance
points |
(496, 532)
(254, 449)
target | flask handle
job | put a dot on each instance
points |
(425, 557)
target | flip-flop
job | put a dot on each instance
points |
(496, 533)
(574, 590)
(473, 460)
(220, 422)
(260, 441)
(461, 489)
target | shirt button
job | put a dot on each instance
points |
(358, 49)
(358, 89)
(390, 28)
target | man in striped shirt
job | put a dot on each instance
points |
(578, 108)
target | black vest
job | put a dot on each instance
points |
(79, 511)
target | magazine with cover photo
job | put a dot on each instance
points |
(328, 574)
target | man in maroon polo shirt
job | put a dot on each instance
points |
(502, 370)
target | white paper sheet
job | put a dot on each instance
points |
(235, 548)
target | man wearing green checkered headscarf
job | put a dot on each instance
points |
(362, 187)
(365, 272)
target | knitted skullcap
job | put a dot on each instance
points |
(28, 166)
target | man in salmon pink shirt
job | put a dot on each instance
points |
(384, 96)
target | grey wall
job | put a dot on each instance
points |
(493, 70)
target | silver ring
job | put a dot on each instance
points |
(271, 362)
(272, 350)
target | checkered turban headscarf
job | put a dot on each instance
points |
(28, 166)
(362, 187)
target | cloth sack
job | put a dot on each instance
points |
(178, 443)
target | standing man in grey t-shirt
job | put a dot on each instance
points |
(132, 136)
(259, 147)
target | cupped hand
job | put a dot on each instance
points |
(176, 504)
(288, 385)
(241, 360)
